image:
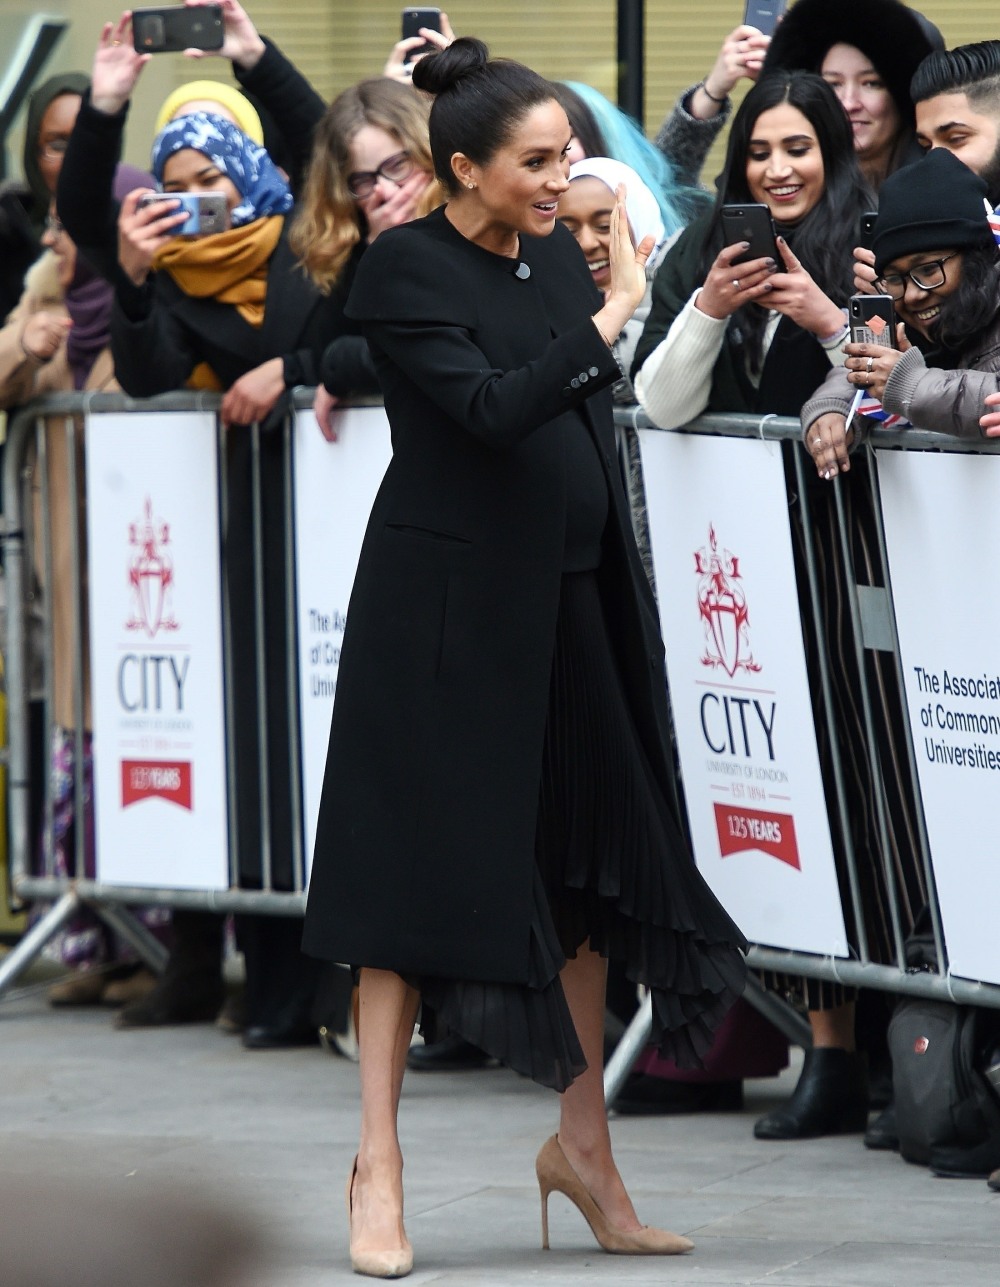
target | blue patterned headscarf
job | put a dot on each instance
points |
(255, 176)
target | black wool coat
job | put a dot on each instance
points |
(425, 843)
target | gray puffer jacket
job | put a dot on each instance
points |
(944, 401)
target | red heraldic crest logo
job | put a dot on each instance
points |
(723, 607)
(150, 575)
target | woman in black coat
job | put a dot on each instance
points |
(494, 819)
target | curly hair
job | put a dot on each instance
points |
(330, 224)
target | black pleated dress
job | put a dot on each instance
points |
(612, 866)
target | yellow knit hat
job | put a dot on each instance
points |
(237, 105)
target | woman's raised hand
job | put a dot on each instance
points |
(241, 42)
(742, 54)
(628, 273)
(729, 286)
(399, 207)
(142, 230)
(116, 66)
(396, 65)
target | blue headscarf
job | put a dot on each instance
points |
(245, 162)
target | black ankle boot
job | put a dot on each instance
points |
(190, 989)
(830, 1099)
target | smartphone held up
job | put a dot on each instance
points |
(207, 212)
(176, 28)
(415, 19)
(764, 14)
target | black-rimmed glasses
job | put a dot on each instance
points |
(926, 276)
(395, 168)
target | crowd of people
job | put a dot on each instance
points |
(359, 242)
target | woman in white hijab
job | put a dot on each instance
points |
(585, 208)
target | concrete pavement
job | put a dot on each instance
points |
(270, 1136)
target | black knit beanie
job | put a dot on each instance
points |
(934, 204)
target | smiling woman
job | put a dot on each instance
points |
(867, 51)
(498, 780)
(935, 255)
(728, 336)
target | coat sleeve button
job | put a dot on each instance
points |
(593, 371)
(575, 382)
(584, 377)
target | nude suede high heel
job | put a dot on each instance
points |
(556, 1175)
(375, 1264)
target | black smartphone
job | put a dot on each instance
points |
(866, 228)
(413, 20)
(179, 27)
(764, 14)
(750, 222)
(873, 320)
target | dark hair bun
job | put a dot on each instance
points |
(442, 71)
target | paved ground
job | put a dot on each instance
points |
(271, 1136)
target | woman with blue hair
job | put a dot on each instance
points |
(602, 130)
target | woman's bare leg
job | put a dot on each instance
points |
(387, 1010)
(833, 1027)
(583, 1121)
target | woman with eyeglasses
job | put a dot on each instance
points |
(936, 256)
(371, 170)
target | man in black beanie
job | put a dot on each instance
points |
(957, 98)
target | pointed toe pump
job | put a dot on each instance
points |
(394, 1263)
(556, 1175)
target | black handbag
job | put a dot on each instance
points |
(945, 1107)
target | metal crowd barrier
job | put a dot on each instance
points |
(873, 627)
(67, 894)
(26, 441)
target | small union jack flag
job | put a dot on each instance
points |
(993, 219)
(873, 409)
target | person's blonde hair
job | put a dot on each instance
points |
(330, 223)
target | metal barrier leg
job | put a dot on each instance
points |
(132, 930)
(784, 1017)
(36, 938)
(628, 1051)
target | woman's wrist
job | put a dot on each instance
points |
(704, 103)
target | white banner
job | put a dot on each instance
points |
(722, 554)
(942, 527)
(335, 485)
(156, 650)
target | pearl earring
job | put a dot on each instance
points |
(471, 186)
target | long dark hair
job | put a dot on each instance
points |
(970, 308)
(825, 238)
